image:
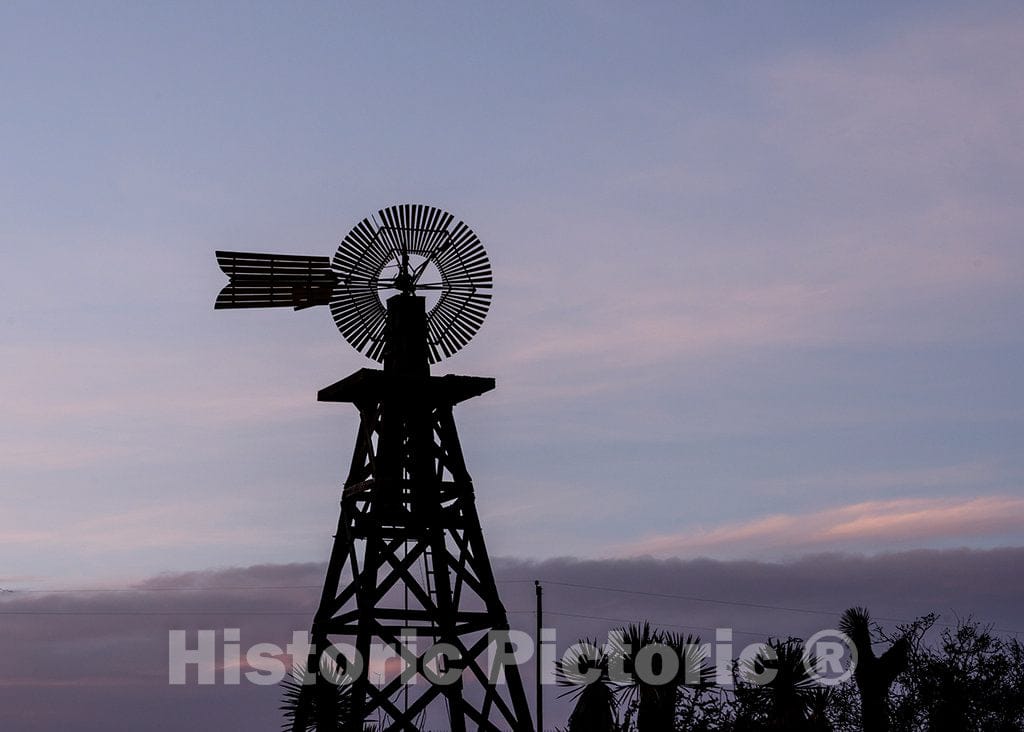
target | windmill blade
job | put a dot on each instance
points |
(274, 280)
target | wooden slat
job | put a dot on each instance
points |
(261, 280)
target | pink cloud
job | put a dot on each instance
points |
(860, 526)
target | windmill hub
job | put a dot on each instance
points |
(404, 283)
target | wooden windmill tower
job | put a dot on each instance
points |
(407, 288)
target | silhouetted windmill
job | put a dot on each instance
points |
(409, 551)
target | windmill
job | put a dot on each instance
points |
(406, 288)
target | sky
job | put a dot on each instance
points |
(757, 275)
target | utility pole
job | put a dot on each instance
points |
(537, 654)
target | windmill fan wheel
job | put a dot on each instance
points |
(412, 250)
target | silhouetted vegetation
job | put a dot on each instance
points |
(324, 705)
(874, 675)
(973, 679)
(969, 679)
(790, 699)
(585, 668)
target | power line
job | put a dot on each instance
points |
(626, 621)
(735, 603)
(692, 598)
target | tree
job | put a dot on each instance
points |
(585, 668)
(776, 692)
(974, 682)
(641, 668)
(706, 708)
(874, 675)
(650, 686)
(971, 680)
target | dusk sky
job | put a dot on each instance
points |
(758, 275)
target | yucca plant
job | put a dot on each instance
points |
(874, 675)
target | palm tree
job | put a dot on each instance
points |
(585, 667)
(874, 675)
(818, 703)
(655, 703)
(605, 678)
(775, 690)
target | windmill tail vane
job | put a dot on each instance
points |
(274, 280)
